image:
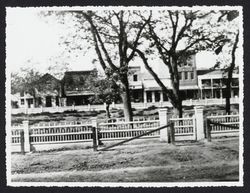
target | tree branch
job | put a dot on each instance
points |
(135, 44)
(166, 90)
(95, 31)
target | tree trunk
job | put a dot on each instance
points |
(230, 74)
(107, 110)
(228, 93)
(228, 105)
(128, 113)
(178, 109)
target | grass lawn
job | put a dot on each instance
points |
(115, 113)
(142, 160)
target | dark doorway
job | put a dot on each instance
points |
(57, 101)
(48, 101)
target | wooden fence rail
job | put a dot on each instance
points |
(186, 128)
(222, 125)
(136, 137)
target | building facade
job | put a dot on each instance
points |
(73, 91)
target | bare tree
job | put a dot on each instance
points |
(114, 35)
(193, 29)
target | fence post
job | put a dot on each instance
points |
(94, 134)
(105, 105)
(163, 121)
(199, 122)
(26, 136)
(208, 130)
(22, 141)
(172, 133)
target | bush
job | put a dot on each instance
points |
(70, 111)
(151, 108)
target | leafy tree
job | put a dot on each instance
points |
(106, 91)
(228, 18)
(25, 81)
(58, 67)
(173, 36)
(114, 35)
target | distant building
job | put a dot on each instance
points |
(75, 91)
(212, 84)
(72, 89)
(152, 92)
(47, 93)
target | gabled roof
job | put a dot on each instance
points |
(47, 77)
(74, 82)
(85, 72)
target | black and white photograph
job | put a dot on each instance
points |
(115, 96)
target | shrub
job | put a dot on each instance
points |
(151, 108)
(70, 111)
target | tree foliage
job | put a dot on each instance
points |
(105, 89)
(25, 81)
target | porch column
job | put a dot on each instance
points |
(212, 89)
(53, 101)
(43, 100)
(153, 96)
(161, 96)
(221, 93)
(232, 93)
(144, 96)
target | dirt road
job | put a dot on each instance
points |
(140, 161)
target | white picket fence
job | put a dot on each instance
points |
(184, 128)
(123, 130)
(46, 135)
(219, 130)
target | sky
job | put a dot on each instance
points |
(29, 37)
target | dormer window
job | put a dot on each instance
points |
(135, 77)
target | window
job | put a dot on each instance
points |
(216, 83)
(22, 101)
(206, 83)
(135, 77)
(186, 75)
(235, 82)
(192, 75)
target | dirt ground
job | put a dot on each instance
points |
(144, 160)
